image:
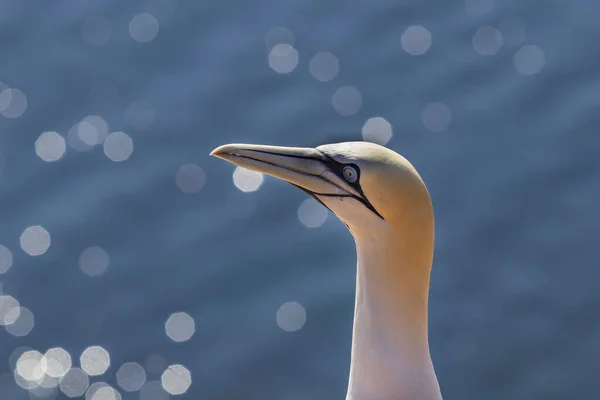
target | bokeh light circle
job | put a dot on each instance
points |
(31, 366)
(35, 240)
(347, 100)
(94, 261)
(58, 362)
(487, 40)
(247, 180)
(95, 388)
(324, 66)
(143, 27)
(50, 146)
(76, 132)
(416, 40)
(95, 360)
(75, 383)
(436, 117)
(180, 327)
(291, 316)
(118, 146)
(529, 60)
(312, 214)
(283, 58)
(23, 324)
(377, 130)
(131, 377)
(9, 310)
(13, 103)
(106, 392)
(176, 379)
(92, 130)
(190, 178)
(6, 259)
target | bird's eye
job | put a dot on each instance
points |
(350, 174)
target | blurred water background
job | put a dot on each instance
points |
(153, 271)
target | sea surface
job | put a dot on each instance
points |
(497, 104)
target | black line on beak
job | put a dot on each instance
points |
(333, 166)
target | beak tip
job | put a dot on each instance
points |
(219, 151)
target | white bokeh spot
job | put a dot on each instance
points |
(58, 362)
(94, 261)
(347, 100)
(324, 66)
(247, 180)
(95, 388)
(436, 117)
(6, 259)
(377, 130)
(74, 138)
(143, 27)
(31, 366)
(35, 240)
(416, 40)
(180, 327)
(176, 379)
(487, 40)
(291, 316)
(50, 146)
(74, 383)
(105, 392)
(23, 324)
(190, 178)
(9, 310)
(283, 58)
(529, 60)
(312, 214)
(95, 360)
(131, 377)
(92, 130)
(118, 146)
(13, 102)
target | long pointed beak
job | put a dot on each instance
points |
(306, 168)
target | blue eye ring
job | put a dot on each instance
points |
(350, 174)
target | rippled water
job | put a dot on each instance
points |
(123, 242)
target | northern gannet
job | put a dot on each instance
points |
(385, 204)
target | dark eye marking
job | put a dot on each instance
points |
(341, 170)
(338, 168)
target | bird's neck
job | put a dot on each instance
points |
(390, 350)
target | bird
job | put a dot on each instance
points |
(386, 206)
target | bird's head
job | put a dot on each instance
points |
(366, 185)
